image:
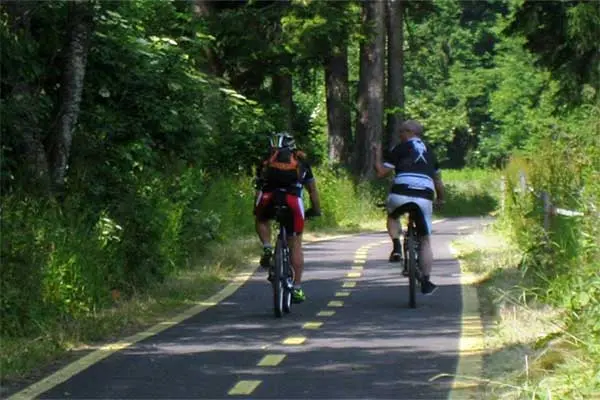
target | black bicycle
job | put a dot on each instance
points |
(282, 277)
(410, 249)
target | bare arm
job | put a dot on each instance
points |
(380, 167)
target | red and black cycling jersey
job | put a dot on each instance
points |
(415, 168)
(305, 176)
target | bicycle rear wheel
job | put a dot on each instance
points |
(278, 289)
(412, 268)
(287, 282)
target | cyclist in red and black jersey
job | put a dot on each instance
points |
(292, 181)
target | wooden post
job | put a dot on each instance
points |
(502, 193)
(547, 210)
(523, 182)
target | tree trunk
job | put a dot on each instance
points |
(59, 144)
(203, 10)
(283, 90)
(395, 88)
(339, 125)
(369, 126)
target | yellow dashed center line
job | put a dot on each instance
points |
(312, 325)
(335, 303)
(271, 360)
(359, 262)
(294, 340)
(353, 275)
(357, 267)
(342, 294)
(326, 313)
(243, 388)
(349, 284)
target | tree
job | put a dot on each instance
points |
(318, 33)
(369, 125)
(339, 126)
(395, 68)
(59, 143)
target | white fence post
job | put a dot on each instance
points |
(523, 182)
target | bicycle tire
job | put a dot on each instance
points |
(278, 290)
(412, 269)
(287, 283)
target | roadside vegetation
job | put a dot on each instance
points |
(539, 288)
(130, 131)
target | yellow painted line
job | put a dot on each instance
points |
(342, 294)
(359, 262)
(471, 346)
(353, 274)
(294, 340)
(312, 325)
(326, 313)
(349, 284)
(357, 267)
(271, 360)
(358, 257)
(96, 356)
(85, 362)
(243, 388)
(335, 303)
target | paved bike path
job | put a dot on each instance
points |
(374, 346)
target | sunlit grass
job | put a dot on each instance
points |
(529, 351)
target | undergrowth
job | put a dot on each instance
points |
(540, 288)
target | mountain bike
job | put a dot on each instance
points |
(281, 273)
(282, 277)
(410, 249)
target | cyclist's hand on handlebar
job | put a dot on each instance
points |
(311, 213)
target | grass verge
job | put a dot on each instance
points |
(529, 350)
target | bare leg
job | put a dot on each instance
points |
(263, 229)
(393, 227)
(426, 255)
(297, 257)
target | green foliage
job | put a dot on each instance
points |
(563, 261)
(470, 192)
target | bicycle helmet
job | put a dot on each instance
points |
(282, 140)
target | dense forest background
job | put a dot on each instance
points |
(130, 129)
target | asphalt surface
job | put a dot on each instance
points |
(374, 346)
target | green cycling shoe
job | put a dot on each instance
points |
(298, 295)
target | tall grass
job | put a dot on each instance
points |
(558, 267)
(470, 192)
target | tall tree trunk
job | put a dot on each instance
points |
(283, 90)
(395, 88)
(59, 143)
(203, 10)
(339, 125)
(369, 126)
